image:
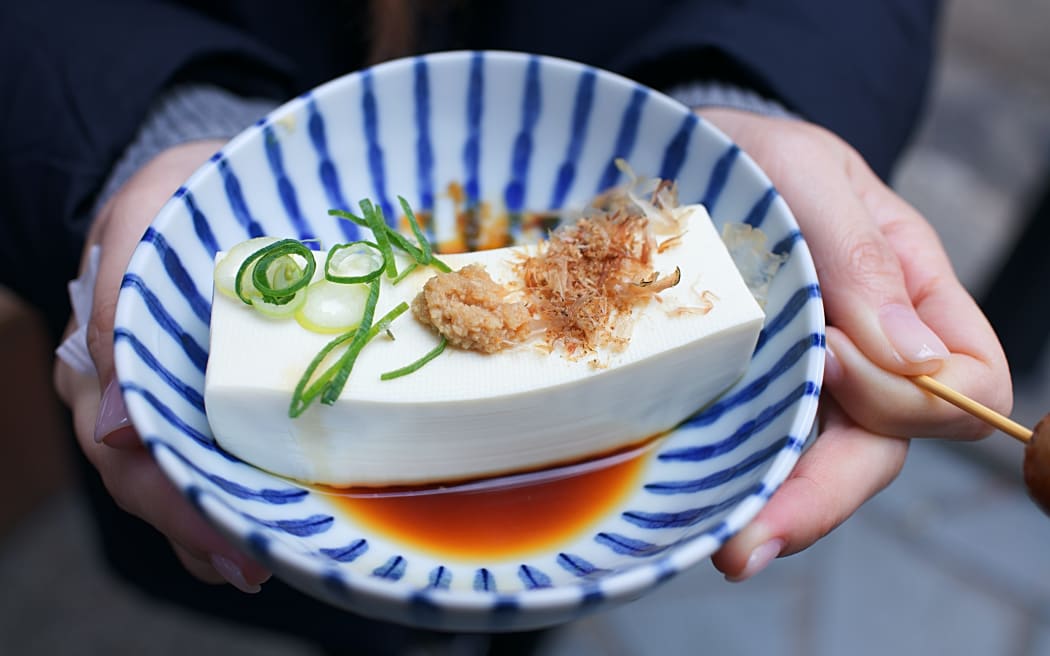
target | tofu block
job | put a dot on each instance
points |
(467, 415)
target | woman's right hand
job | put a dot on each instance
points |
(101, 424)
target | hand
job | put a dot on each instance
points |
(894, 309)
(100, 422)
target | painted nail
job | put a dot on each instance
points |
(910, 337)
(759, 559)
(229, 570)
(832, 364)
(112, 415)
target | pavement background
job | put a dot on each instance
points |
(948, 560)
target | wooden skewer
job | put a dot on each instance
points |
(984, 413)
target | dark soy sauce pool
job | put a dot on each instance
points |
(499, 517)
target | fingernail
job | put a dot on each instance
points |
(229, 570)
(910, 337)
(759, 559)
(112, 415)
(832, 364)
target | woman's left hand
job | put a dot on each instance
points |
(894, 309)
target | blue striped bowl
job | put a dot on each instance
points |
(519, 133)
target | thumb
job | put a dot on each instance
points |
(863, 283)
(118, 234)
(117, 230)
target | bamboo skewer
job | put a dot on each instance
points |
(985, 414)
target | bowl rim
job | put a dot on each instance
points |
(621, 583)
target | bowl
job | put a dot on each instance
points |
(511, 135)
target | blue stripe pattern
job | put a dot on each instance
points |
(628, 546)
(533, 578)
(719, 176)
(271, 496)
(424, 144)
(201, 225)
(474, 113)
(188, 392)
(483, 581)
(178, 274)
(579, 566)
(722, 476)
(376, 162)
(194, 351)
(304, 527)
(514, 195)
(393, 569)
(674, 154)
(760, 209)
(326, 170)
(577, 136)
(349, 553)
(440, 578)
(285, 188)
(235, 197)
(625, 139)
(728, 454)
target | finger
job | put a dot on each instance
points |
(845, 467)
(200, 569)
(120, 226)
(890, 404)
(944, 304)
(139, 487)
(861, 278)
(136, 483)
(217, 569)
(118, 229)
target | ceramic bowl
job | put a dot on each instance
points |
(517, 134)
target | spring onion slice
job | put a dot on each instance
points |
(404, 273)
(418, 364)
(330, 308)
(226, 268)
(276, 274)
(346, 363)
(287, 308)
(356, 262)
(305, 392)
(285, 269)
(396, 238)
(424, 244)
(374, 217)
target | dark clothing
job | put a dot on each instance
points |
(78, 78)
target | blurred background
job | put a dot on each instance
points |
(949, 560)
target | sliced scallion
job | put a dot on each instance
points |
(356, 262)
(305, 391)
(374, 217)
(404, 273)
(418, 364)
(274, 273)
(424, 244)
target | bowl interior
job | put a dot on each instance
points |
(504, 137)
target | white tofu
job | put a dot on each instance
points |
(466, 415)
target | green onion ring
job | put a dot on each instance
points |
(349, 280)
(262, 259)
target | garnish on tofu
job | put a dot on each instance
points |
(470, 310)
(584, 282)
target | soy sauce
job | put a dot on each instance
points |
(500, 517)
